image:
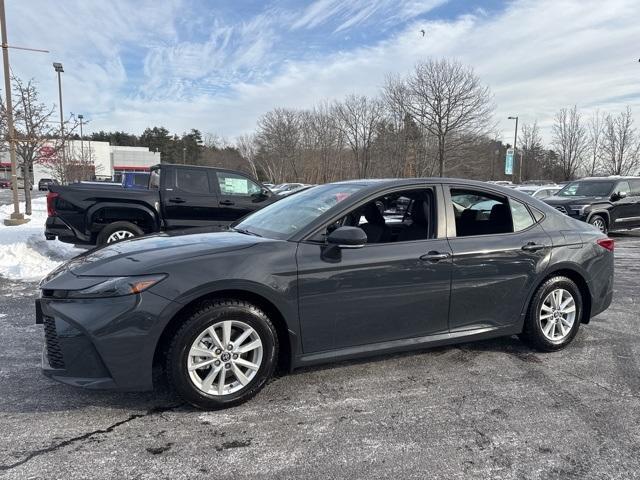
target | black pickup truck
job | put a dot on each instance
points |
(178, 197)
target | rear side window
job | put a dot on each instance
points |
(520, 214)
(154, 179)
(192, 180)
(232, 184)
(635, 188)
(480, 213)
(623, 187)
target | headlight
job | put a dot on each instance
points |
(578, 208)
(117, 286)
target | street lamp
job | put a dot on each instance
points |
(81, 117)
(184, 153)
(515, 141)
(57, 66)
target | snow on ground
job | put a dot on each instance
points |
(25, 254)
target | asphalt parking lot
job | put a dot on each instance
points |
(492, 409)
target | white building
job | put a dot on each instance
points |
(109, 161)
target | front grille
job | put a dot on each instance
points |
(562, 209)
(54, 354)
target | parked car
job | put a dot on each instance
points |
(319, 276)
(286, 187)
(608, 203)
(43, 183)
(4, 183)
(539, 191)
(178, 197)
(301, 188)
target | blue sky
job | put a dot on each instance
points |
(219, 65)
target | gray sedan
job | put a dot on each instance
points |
(338, 271)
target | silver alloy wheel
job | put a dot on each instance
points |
(119, 235)
(599, 224)
(557, 314)
(225, 357)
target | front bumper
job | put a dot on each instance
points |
(103, 343)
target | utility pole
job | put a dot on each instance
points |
(16, 217)
(515, 149)
(57, 66)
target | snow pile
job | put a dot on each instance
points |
(24, 252)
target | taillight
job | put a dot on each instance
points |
(51, 208)
(607, 243)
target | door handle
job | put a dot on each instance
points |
(533, 247)
(177, 200)
(226, 202)
(434, 256)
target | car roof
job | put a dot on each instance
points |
(613, 178)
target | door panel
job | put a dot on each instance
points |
(376, 293)
(492, 275)
(188, 199)
(625, 212)
(238, 196)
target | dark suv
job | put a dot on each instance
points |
(608, 203)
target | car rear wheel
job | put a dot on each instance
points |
(599, 222)
(222, 355)
(118, 231)
(554, 315)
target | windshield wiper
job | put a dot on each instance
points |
(245, 231)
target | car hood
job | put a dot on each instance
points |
(577, 200)
(144, 255)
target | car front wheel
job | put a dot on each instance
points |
(554, 315)
(222, 355)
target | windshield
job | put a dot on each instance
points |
(586, 189)
(285, 217)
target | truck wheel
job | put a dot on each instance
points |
(117, 231)
(599, 222)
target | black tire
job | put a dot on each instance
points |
(114, 227)
(600, 223)
(178, 352)
(532, 333)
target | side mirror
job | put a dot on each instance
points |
(618, 196)
(347, 237)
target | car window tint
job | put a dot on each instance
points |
(192, 180)
(480, 213)
(623, 187)
(232, 184)
(520, 214)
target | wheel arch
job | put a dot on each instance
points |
(145, 218)
(578, 278)
(601, 213)
(286, 338)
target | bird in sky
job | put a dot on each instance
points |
(423, 32)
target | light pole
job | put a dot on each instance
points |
(81, 117)
(16, 217)
(515, 141)
(57, 66)
(184, 153)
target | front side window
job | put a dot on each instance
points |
(480, 213)
(233, 184)
(587, 189)
(285, 217)
(623, 187)
(395, 217)
(192, 180)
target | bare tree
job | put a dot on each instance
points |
(247, 145)
(595, 140)
(621, 145)
(279, 136)
(449, 101)
(569, 140)
(531, 146)
(358, 116)
(33, 128)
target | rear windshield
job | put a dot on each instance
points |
(586, 189)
